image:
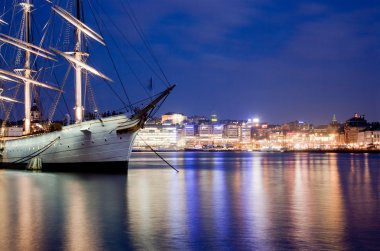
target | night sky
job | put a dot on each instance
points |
(275, 59)
(280, 60)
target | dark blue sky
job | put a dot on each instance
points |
(279, 60)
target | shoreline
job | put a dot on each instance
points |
(358, 151)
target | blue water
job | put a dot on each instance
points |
(218, 201)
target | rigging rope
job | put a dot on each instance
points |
(111, 58)
(140, 31)
(49, 63)
(8, 112)
(58, 96)
(36, 153)
(21, 36)
(66, 40)
(130, 45)
(92, 105)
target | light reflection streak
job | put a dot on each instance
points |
(221, 201)
(81, 234)
(5, 214)
(177, 209)
(318, 200)
(253, 200)
(29, 212)
(302, 202)
(258, 204)
(140, 220)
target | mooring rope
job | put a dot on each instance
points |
(162, 158)
(36, 153)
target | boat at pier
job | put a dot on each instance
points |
(89, 143)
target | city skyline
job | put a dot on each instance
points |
(262, 119)
(175, 131)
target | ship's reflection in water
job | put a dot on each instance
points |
(218, 201)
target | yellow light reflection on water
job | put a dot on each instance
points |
(80, 232)
(318, 200)
(5, 219)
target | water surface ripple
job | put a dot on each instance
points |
(218, 201)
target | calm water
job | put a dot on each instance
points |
(218, 201)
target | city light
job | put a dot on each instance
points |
(355, 133)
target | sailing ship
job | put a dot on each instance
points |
(99, 143)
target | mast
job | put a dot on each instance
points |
(77, 57)
(25, 75)
(27, 71)
(78, 70)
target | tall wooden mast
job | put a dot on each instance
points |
(24, 75)
(77, 57)
(78, 69)
(27, 71)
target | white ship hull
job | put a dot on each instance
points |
(92, 145)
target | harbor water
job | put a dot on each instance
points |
(218, 201)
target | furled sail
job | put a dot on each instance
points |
(26, 46)
(2, 22)
(78, 24)
(3, 77)
(34, 82)
(7, 99)
(81, 64)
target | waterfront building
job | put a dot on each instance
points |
(217, 135)
(189, 136)
(190, 130)
(165, 137)
(197, 119)
(259, 133)
(171, 134)
(369, 139)
(352, 127)
(276, 140)
(296, 126)
(334, 126)
(154, 121)
(322, 141)
(245, 133)
(214, 118)
(217, 131)
(173, 118)
(231, 131)
(205, 130)
(205, 134)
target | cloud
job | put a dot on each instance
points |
(203, 22)
(335, 37)
(312, 9)
(300, 61)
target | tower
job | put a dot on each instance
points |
(35, 113)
